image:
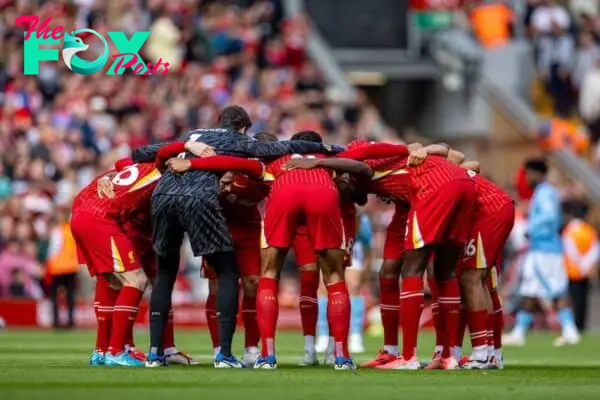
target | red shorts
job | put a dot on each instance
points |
(103, 245)
(396, 234)
(488, 236)
(444, 217)
(316, 207)
(304, 251)
(246, 241)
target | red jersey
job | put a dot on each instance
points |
(432, 174)
(240, 206)
(133, 187)
(283, 177)
(490, 198)
(391, 179)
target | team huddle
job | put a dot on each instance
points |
(449, 222)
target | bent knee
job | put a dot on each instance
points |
(136, 278)
(250, 285)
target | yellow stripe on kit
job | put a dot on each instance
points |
(118, 265)
(152, 176)
(417, 238)
(480, 254)
(263, 238)
(382, 174)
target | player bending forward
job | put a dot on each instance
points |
(311, 198)
(112, 236)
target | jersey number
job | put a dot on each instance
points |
(191, 139)
(127, 177)
(470, 248)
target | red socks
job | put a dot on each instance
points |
(104, 301)
(125, 314)
(267, 311)
(211, 319)
(411, 303)
(390, 309)
(169, 335)
(478, 322)
(435, 312)
(338, 313)
(450, 311)
(309, 309)
(251, 332)
(498, 319)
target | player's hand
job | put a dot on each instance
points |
(105, 189)
(416, 157)
(200, 149)
(178, 164)
(301, 163)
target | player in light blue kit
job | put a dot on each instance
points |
(543, 275)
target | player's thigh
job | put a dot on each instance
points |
(324, 219)
(282, 218)
(205, 225)
(246, 241)
(304, 251)
(106, 246)
(147, 257)
(167, 234)
(429, 217)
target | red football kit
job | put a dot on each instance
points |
(441, 195)
(302, 197)
(240, 208)
(304, 251)
(113, 235)
(494, 220)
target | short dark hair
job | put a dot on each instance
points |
(266, 137)
(576, 208)
(309, 136)
(234, 117)
(537, 165)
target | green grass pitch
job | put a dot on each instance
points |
(53, 365)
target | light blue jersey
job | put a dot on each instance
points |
(364, 239)
(544, 220)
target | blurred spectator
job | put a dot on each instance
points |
(547, 16)
(555, 65)
(59, 129)
(62, 267)
(589, 101)
(582, 253)
(588, 55)
(492, 23)
(19, 270)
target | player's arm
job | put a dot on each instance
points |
(456, 157)
(375, 151)
(252, 168)
(337, 164)
(472, 165)
(249, 147)
(104, 186)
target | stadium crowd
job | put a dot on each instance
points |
(59, 129)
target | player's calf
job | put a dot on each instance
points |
(473, 290)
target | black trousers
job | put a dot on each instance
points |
(579, 291)
(68, 283)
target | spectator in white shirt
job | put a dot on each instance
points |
(547, 13)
